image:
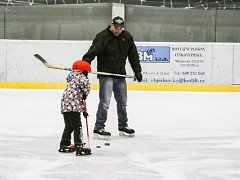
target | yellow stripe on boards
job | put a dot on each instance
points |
(38, 85)
(190, 88)
(32, 85)
(137, 87)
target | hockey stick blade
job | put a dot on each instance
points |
(49, 65)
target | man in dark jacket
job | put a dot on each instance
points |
(112, 47)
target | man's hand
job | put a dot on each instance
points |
(138, 77)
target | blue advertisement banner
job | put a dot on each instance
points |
(154, 54)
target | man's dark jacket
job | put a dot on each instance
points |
(112, 52)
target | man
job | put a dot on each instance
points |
(112, 47)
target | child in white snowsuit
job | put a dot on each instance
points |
(72, 104)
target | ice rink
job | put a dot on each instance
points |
(179, 136)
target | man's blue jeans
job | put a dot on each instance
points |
(108, 85)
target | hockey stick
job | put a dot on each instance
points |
(112, 74)
(69, 69)
(85, 109)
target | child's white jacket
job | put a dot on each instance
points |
(77, 85)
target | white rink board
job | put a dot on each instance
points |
(3, 61)
(204, 63)
(236, 65)
(223, 64)
(24, 67)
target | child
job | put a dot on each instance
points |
(72, 104)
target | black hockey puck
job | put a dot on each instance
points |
(107, 144)
(98, 146)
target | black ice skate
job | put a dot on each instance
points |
(101, 134)
(81, 151)
(126, 131)
(66, 149)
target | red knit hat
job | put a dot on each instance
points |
(81, 66)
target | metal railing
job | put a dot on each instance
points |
(187, 4)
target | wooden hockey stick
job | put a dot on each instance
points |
(49, 65)
(69, 69)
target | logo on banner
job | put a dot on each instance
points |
(154, 54)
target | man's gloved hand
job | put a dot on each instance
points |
(138, 76)
(85, 114)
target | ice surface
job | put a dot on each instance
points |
(179, 136)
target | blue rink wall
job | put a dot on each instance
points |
(166, 66)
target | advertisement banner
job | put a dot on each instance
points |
(186, 64)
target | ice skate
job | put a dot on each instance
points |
(126, 131)
(81, 151)
(101, 134)
(66, 149)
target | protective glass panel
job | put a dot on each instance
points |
(57, 22)
(1, 22)
(172, 25)
(228, 26)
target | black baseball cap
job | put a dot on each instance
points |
(118, 21)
